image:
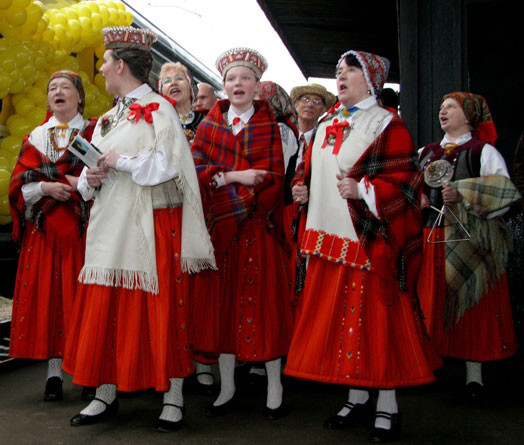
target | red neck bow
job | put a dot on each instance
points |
(137, 110)
(236, 121)
(335, 131)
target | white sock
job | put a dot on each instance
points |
(107, 393)
(355, 396)
(274, 384)
(175, 397)
(226, 366)
(474, 372)
(54, 368)
(387, 402)
(200, 370)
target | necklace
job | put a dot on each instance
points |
(51, 134)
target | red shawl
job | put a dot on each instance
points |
(34, 166)
(216, 149)
(391, 164)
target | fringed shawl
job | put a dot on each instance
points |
(474, 266)
(47, 214)
(120, 245)
(258, 146)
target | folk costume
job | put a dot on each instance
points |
(358, 323)
(146, 228)
(247, 315)
(463, 286)
(51, 235)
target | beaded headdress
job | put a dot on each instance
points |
(116, 37)
(241, 57)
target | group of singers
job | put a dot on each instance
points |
(249, 230)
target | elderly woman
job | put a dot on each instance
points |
(463, 286)
(360, 187)
(238, 154)
(49, 219)
(176, 83)
(146, 228)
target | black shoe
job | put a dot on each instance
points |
(475, 392)
(53, 390)
(219, 410)
(381, 435)
(165, 426)
(202, 387)
(83, 419)
(276, 413)
(358, 412)
(88, 393)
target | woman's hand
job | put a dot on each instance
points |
(347, 187)
(450, 194)
(108, 160)
(57, 190)
(73, 180)
(249, 178)
(300, 193)
(424, 201)
(94, 177)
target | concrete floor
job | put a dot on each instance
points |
(434, 414)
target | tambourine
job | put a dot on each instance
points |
(438, 173)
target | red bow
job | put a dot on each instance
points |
(236, 120)
(137, 110)
(337, 130)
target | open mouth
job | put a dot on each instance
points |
(443, 120)
(174, 91)
(59, 101)
(238, 93)
(342, 88)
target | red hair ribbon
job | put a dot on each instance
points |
(137, 110)
(337, 130)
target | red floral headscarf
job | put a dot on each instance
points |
(477, 113)
(280, 102)
(76, 80)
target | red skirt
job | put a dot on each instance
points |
(131, 338)
(347, 334)
(292, 251)
(485, 332)
(46, 283)
(248, 312)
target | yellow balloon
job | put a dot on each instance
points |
(100, 50)
(5, 211)
(4, 4)
(83, 10)
(111, 4)
(18, 86)
(96, 21)
(129, 18)
(18, 126)
(3, 93)
(78, 46)
(99, 63)
(120, 6)
(93, 6)
(34, 13)
(36, 96)
(5, 80)
(75, 29)
(100, 82)
(60, 31)
(23, 106)
(58, 18)
(15, 16)
(28, 73)
(10, 145)
(48, 35)
(113, 17)
(104, 13)
(70, 13)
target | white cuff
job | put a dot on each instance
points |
(366, 191)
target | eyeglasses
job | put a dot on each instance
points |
(307, 100)
(169, 80)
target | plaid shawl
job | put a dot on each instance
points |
(391, 165)
(473, 266)
(215, 149)
(34, 166)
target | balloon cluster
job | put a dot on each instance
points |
(34, 43)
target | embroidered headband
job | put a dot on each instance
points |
(116, 37)
(241, 57)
